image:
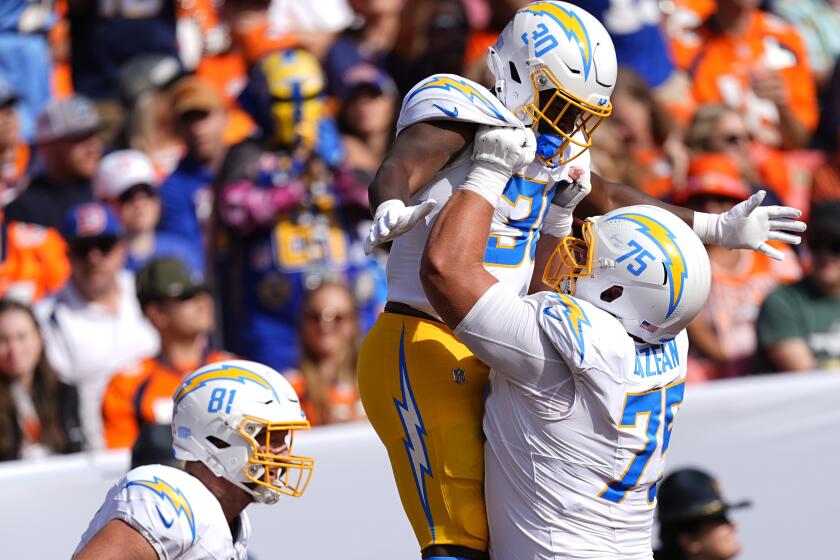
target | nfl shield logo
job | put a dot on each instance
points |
(459, 376)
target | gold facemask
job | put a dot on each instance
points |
(288, 474)
(571, 259)
(564, 113)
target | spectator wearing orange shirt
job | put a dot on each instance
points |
(719, 129)
(757, 64)
(651, 156)
(723, 335)
(325, 378)
(181, 310)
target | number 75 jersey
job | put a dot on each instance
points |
(578, 425)
(515, 230)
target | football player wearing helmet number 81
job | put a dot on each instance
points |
(233, 424)
(422, 389)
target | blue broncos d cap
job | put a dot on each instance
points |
(92, 219)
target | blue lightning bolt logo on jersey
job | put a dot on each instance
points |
(465, 89)
(574, 316)
(415, 431)
(571, 25)
(674, 260)
(171, 495)
(227, 373)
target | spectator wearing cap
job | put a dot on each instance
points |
(148, 125)
(723, 339)
(14, 152)
(187, 195)
(126, 180)
(94, 326)
(799, 325)
(291, 214)
(693, 517)
(180, 308)
(367, 117)
(70, 150)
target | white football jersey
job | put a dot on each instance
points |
(578, 422)
(516, 224)
(174, 512)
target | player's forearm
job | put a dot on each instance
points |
(452, 269)
(607, 196)
(391, 182)
(545, 248)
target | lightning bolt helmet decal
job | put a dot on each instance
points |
(675, 263)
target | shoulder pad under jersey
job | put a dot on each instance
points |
(447, 97)
(586, 337)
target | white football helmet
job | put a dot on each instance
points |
(641, 264)
(239, 418)
(555, 69)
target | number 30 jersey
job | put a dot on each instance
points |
(175, 513)
(519, 215)
(578, 424)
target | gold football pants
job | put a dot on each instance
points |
(423, 392)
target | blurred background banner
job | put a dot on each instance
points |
(773, 440)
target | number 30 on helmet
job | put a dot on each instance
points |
(239, 418)
(555, 69)
(641, 264)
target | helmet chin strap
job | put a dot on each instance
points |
(548, 147)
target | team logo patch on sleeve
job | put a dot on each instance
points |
(574, 316)
(178, 503)
(467, 90)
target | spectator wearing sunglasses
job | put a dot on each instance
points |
(694, 520)
(799, 325)
(178, 305)
(126, 180)
(94, 327)
(325, 377)
(69, 150)
(187, 195)
(716, 128)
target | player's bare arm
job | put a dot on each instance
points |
(417, 154)
(748, 225)
(452, 272)
(117, 540)
(452, 269)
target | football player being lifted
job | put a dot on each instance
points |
(423, 390)
(234, 424)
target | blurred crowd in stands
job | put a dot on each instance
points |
(186, 180)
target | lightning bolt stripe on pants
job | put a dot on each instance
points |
(415, 432)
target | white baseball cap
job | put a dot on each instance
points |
(121, 170)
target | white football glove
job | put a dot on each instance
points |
(393, 218)
(558, 220)
(748, 225)
(498, 153)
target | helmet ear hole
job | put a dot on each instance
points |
(218, 443)
(611, 294)
(514, 73)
